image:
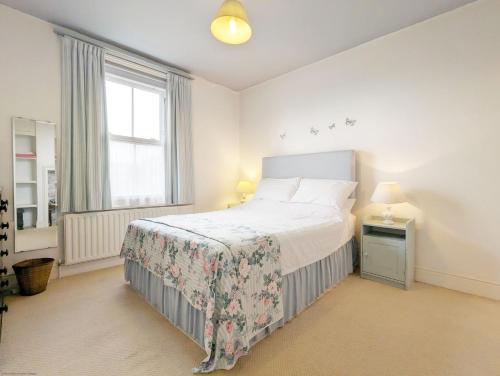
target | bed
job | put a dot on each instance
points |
(229, 278)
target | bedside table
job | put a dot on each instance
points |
(388, 251)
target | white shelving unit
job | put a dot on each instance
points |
(25, 171)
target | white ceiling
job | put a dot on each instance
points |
(287, 34)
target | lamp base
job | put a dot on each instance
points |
(387, 215)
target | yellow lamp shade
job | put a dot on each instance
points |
(245, 187)
(230, 25)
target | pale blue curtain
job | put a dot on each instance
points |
(84, 157)
(178, 156)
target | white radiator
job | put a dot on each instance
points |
(97, 235)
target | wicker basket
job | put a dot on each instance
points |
(33, 275)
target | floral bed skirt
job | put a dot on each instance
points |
(300, 289)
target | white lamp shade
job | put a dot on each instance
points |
(388, 193)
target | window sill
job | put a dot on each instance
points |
(129, 208)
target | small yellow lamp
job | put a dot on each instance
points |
(245, 187)
(230, 24)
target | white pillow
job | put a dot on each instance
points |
(276, 189)
(349, 204)
(324, 192)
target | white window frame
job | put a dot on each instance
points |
(135, 82)
(163, 101)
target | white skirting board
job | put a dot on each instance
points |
(459, 283)
(89, 266)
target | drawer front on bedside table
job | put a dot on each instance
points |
(384, 257)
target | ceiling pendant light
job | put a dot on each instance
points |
(230, 25)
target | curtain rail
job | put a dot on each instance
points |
(122, 53)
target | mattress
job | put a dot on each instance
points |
(306, 232)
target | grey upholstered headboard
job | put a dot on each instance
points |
(340, 165)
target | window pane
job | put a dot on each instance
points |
(150, 176)
(137, 174)
(146, 114)
(119, 108)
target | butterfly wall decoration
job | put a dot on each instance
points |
(350, 122)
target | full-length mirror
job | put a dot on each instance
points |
(35, 184)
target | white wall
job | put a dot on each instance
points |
(215, 144)
(30, 87)
(427, 104)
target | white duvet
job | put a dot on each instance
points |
(306, 232)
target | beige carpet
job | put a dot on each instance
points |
(95, 324)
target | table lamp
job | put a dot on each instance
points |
(245, 187)
(388, 193)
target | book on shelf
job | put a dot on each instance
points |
(25, 155)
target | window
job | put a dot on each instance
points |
(136, 124)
